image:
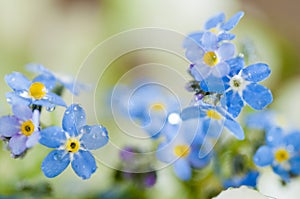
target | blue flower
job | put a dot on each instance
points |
(209, 58)
(20, 129)
(182, 149)
(153, 107)
(215, 118)
(281, 152)
(264, 120)
(72, 143)
(35, 92)
(248, 179)
(66, 81)
(243, 88)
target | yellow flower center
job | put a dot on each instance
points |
(72, 145)
(182, 151)
(213, 115)
(281, 155)
(158, 106)
(37, 90)
(27, 128)
(210, 58)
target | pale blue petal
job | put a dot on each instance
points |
(213, 84)
(295, 165)
(200, 72)
(55, 99)
(232, 22)
(37, 68)
(182, 169)
(9, 126)
(196, 161)
(17, 144)
(93, 137)
(213, 128)
(235, 128)
(49, 81)
(33, 139)
(214, 21)
(22, 112)
(195, 54)
(256, 72)
(55, 163)
(190, 113)
(17, 81)
(209, 41)
(225, 36)
(274, 137)
(226, 51)
(293, 139)
(73, 119)
(84, 164)
(192, 40)
(263, 156)
(257, 96)
(52, 137)
(221, 69)
(14, 98)
(165, 152)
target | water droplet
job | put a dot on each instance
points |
(50, 109)
(13, 79)
(75, 108)
(67, 112)
(8, 100)
(94, 136)
(103, 134)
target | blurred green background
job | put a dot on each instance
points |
(60, 34)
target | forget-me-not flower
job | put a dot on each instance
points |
(35, 92)
(72, 143)
(20, 129)
(281, 152)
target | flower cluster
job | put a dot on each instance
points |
(22, 130)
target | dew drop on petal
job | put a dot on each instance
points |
(50, 109)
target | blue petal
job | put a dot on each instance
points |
(73, 119)
(213, 84)
(55, 163)
(257, 96)
(282, 172)
(9, 126)
(236, 64)
(17, 144)
(22, 112)
(192, 40)
(260, 120)
(14, 98)
(37, 68)
(295, 165)
(49, 81)
(165, 153)
(293, 139)
(263, 156)
(274, 137)
(232, 22)
(256, 72)
(226, 51)
(232, 102)
(196, 161)
(213, 128)
(235, 128)
(214, 21)
(182, 169)
(221, 69)
(93, 137)
(84, 164)
(33, 139)
(200, 72)
(195, 54)
(52, 137)
(209, 41)
(55, 99)
(17, 81)
(225, 36)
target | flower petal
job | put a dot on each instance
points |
(274, 137)
(221, 69)
(182, 169)
(295, 165)
(256, 72)
(196, 161)
(214, 21)
(55, 99)
(84, 164)
(200, 72)
(33, 139)
(257, 96)
(52, 137)
(235, 128)
(22, 112)
(232, 22)
(17, 144)
(226, 51)
(190, 113)
(9, 126)
(55, 163)
(93, 137)
(233, 103)
(15, 98)
(48, 80)
(263, 156)
(209, 41)
(225, 36)
(17, 81)
(73, 119)
(213, 84)
(236, 64)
